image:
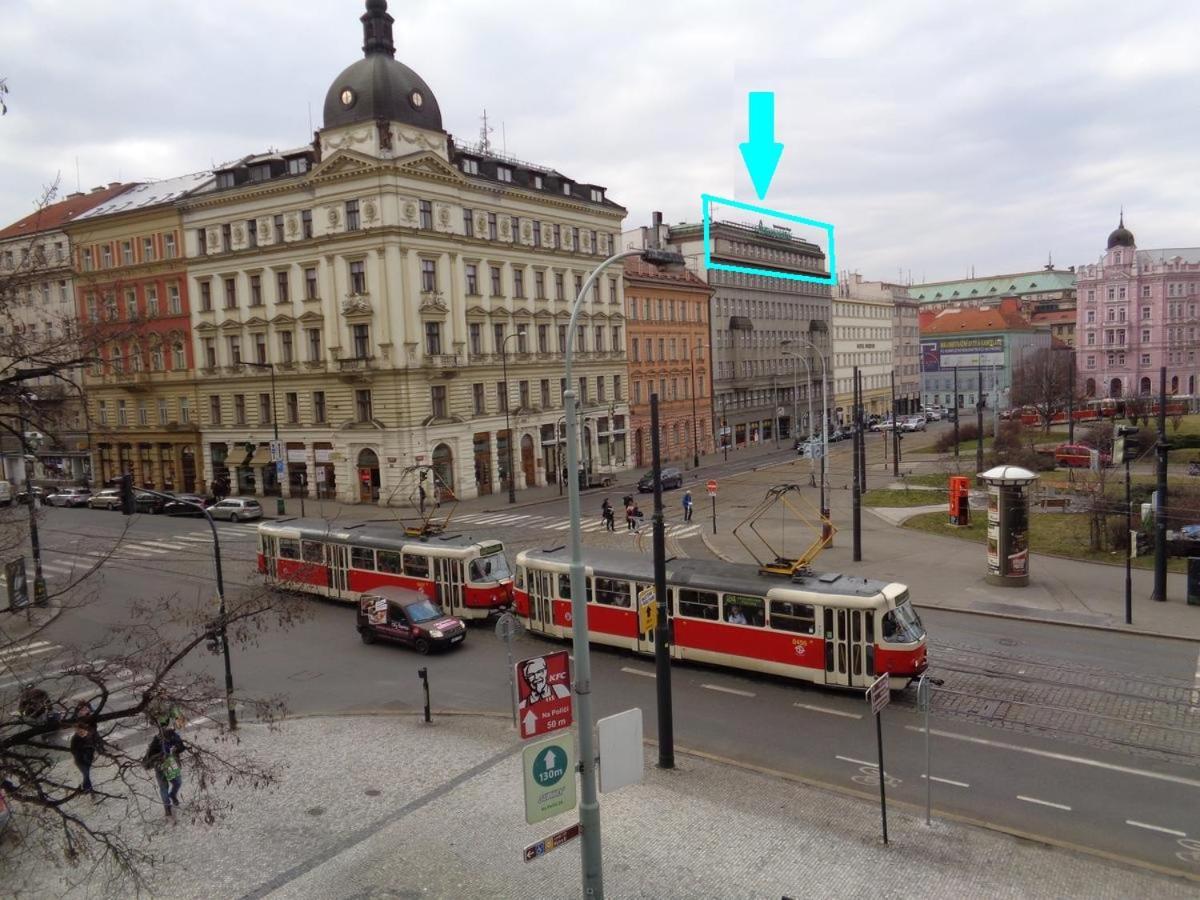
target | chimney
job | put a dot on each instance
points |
(656, 225)
(113, 184)
(97, 189)
(74, 195)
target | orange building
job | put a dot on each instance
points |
(667, 328)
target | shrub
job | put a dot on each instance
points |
(966, 432)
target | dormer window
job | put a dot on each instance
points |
(470, 166)
(260, 172)
(538, 182)
(298, 165)
(567, 188)
(503, 173)
(597, 195)
(224, 179)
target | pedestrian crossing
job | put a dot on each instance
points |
(677, 530)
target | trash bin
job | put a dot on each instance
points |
(1193, 581)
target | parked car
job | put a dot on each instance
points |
(886, 425)
(109, 498)
(236, 509)
(671, 478)
(6, 493)
(38, 491)
(151, 504)
(934, 414)
(913, 423)
(71, 496)
(842, 433)
(184, 505)
(1078, 456)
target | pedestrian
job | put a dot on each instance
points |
(687, 506)
(84, 744)
(421, 494)
(631, 516)
(163, 757)
(606, 512)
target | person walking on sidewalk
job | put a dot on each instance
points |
(163, 757)
(606, 512)
(631, 516)
(687, 506)
(84, 744)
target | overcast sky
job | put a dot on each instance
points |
(935, 136)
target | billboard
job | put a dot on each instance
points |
(938, 354)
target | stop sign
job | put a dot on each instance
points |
(712, 487)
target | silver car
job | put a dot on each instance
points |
(236, 509)
(71, 496)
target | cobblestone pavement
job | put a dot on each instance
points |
(385, 807)
(1087, 704)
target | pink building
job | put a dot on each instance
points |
(1137, 311)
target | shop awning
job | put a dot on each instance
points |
(261, 457)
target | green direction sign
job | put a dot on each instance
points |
(549, 769)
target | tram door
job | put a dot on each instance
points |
(541, 594)
(645, 642)
(448, 574)
(269, 550)
(849, 646)
(339, 563)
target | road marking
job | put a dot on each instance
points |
(830, 712)
(9, 651)
(643, 672)
(857, 762)
(1043, 802)
(1158, 828)
(961, 784)
(1083, 761)
(26, 654)
(146, 545)
(725, 690)
(1196, 691)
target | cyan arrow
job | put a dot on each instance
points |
(762, 152)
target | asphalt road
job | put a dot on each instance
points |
(1081, 736)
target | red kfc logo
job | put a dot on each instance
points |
(544, 684)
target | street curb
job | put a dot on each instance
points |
(1112, 629)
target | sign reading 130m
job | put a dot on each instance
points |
(549, 769)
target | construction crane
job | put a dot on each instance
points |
(774, 560)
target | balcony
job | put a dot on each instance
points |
(356, 364)
(439, 361)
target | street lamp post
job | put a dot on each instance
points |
(280, 507)
(512, 483)
(824, 420)
(589, 806)
(796, 394)
(724, 436)
(695, 431)
(39, 580)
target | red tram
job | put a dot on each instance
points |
(829, 629)
(469, 578)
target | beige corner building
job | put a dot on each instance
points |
(864, 319)
(387, 299)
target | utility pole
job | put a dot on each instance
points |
(724, 431)
(862, 430)
(956, 416)
(858, 461)
(895, 432)
(40, 595)
(662, 651)
(1071, 400)
(1160, 514)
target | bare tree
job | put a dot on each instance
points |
(1043, 381)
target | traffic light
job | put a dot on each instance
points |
(128, 504)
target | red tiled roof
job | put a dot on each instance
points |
(682, 278)
(1054, 317)
(58, 214)
(1006, 316)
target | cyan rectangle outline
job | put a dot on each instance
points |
(706, 207)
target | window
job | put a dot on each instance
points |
(428, 275)
(578, 285)
(361, 335)
(503, 173)
(491, 220)
(174, 301)
(523, 395)
(352, 215)
(210, 353)
(1145, 359)
(127, 252)
(616, 339)
(235, 350)
(600, 398)
(697, 604)
(472, 272)
(611, 592)
(162, 412)
(538, 182)
(1145, 335)
(470, 166)
(252, 232)
(264, 408)
(539, 285)
(543, 338)
(545, 392)
(156, 358)
(214, 409)
(1145, 290)
(106, 257)
(260, 348)
(147, 249)
(143, 413)
(286, 354)
(749, 609)
(1145, 313)
(799, 618)
(282, 288)
(256, 298)
(612, 290)
(314, 344)
(318, 399)
(362, 558)
(277, 229)
(416, 566)
(518, 282)
(502, 396)
(388, 561)
(437, 396)
(475, 336)
(239, 409)
(227, 237)
(537, 233)
(358, 277)
(306, 223)
(289, 548)
(122, 413)
(562, 338)
(597, 195)
(617, 388)
(433, 338)
(312, 551)
(426, 214)
(362, 405)
(310, 283)
(559, 287)
(495, 273)
(103, 412)
(230, 293)
(479, 403)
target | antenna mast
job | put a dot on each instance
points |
(485, 145)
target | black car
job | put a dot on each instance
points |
(671, 478)
(148, 503)
(39, 492)
(185, 505)
(407, 617)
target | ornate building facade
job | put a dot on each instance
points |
(1137, 313)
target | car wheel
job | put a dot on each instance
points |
(233, 517)
(367, 635)
(421, 645)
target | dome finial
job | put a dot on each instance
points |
(1121, 223)
(377, 29)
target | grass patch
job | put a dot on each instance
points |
(1054, 533)
(888, 497)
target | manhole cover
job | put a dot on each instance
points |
(1007, 642)
(372, 792)
(316, 810)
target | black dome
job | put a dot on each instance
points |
(379, 87)
(1122, 237)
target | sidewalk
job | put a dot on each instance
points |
(385, 806)
(948, 573)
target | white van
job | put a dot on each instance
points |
(6, 493)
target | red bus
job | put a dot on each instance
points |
(829, 629)
(469, 578)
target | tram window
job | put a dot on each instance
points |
(796, 617)
(520, 579)
(564, 586)
(314, 551)
(362, 558)
(902, 625)
(388, 561)
(416, 566)
(698, 604)
(289, 548)
(743, 610)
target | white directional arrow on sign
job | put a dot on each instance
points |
(529, 723)
(549, 759)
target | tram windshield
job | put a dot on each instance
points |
(902, 625)
(490, 568)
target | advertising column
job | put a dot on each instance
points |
(1008, 525)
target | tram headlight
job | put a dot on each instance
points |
(436, 633)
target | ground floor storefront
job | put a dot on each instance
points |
(162, 462)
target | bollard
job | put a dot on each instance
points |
(423, 674)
